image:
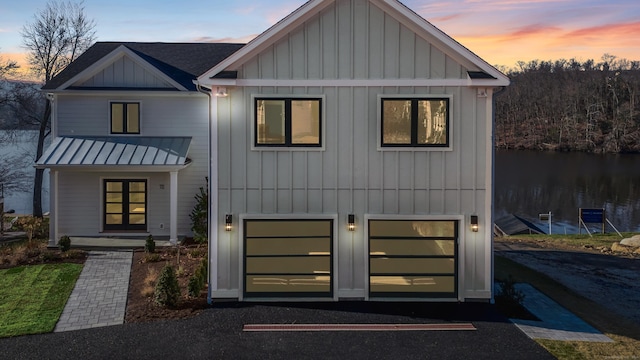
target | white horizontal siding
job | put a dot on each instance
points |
(160, 116)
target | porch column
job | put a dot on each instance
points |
(173, 207)
(53, 207)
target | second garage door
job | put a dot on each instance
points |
(413, 258)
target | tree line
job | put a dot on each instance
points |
(569, 105)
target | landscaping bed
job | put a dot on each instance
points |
(145, 270)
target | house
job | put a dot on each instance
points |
(348, 149)
(352, 158)
(130, 144)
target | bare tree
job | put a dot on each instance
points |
(58, 35)
(7, 67)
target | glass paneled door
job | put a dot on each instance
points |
(125, 204)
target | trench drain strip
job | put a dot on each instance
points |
(358, 327)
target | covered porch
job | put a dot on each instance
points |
(122, 169)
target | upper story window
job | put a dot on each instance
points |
(415, 122)
(288, 122)
(125, 118)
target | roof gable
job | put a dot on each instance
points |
(174, 64)
(408, 19)
(122, 68)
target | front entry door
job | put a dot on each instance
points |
(125, 204)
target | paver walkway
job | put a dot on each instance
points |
(556, 322)
(100, 295)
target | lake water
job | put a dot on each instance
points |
(22, 201)
(528, 183)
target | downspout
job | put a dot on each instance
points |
(207, 92)
(493, 166)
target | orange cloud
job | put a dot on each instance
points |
(626, 33)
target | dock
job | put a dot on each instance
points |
(514, 225)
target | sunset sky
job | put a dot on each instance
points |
(500, 31)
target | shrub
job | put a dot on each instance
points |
(149, 282)
(30, 225)
(149, 244)
(75, 254)
(167, 290)
(64, 243)
(50, 256)
(152, 257)
(509, 293)
(198, 280)
(199, 215)
(197, 253)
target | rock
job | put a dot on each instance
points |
(622, 248)
(632, 241)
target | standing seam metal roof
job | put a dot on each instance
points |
(116, 150)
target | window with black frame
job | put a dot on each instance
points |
(125, 118)
(415, 122)
(288, 122)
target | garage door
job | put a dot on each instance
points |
(288, 258)
(409, 258)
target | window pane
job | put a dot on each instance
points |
(412, 228)
(114, 186)
(137, 208)
(289, 265)
(432, 122)
(117, 118)
(136, 219)
(133, 118)
(114, 197)
(113, 219)
(386, 265)
(305, 122)
(136, 197)
(412, 284)
(288, 283)
(288, 246)
(114, 208)
(396, 121)
(137, 186)
(391, 247)
(270, 118)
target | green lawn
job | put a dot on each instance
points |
(33, 297)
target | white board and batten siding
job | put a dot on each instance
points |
(356, 41)
(124, 72)
(167, 114)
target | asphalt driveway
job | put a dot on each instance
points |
(218, 334)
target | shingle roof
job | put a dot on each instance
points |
(183, 62)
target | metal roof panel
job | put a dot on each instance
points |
(116, 150)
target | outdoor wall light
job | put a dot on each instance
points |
(351, 221)
(221, 91)
(228, 221)
(474, 223)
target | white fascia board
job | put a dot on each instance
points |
(421, 24)
(371, 82)
(267, 38)
(107, 60)
(210, 83)
(133, 92)
(114, 168)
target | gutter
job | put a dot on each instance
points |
(207, 92)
